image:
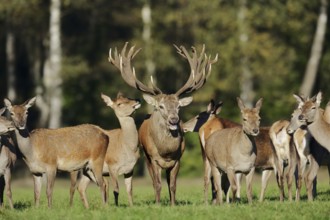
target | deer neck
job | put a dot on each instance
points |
(129, 132)
(248, 141)
(320, 130)
(24, 143)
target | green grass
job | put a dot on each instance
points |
(190, 203)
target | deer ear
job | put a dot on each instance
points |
(185, 101)
(240, 103)
(318, 98)
(107, 100)
(210, 106)
(2, 110)
(120, 95)
(259, 104)
(149, 99)
(30, 102)
(217, 108)
(7, 103)
(300, 100)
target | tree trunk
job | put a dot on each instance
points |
(246, 78)
(149, 63)
(10, 54)
(316, 52)
(51, 104)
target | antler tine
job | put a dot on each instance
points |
(123, 62)
(200, 69)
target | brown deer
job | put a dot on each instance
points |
(7, 158)
(286, 156)
(161, 135)
(123, 152)
(233, 150)
(68, 149)
(207, 122)
(312, 116)
(311, 154)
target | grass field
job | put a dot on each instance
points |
(190, 203)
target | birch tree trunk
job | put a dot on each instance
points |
(246, 78)
(146, 36)
(10, 54)
(51, 102)
(316, 51)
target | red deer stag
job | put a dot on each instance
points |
(233, 150)
(68, 149)
(161, 135)
(123, 152)
(7, 158)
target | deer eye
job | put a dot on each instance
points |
(244, 119)
(161, 107)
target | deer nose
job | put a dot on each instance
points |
(301, 117)
(256, 130)
(174, 120)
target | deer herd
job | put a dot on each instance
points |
(293, 149)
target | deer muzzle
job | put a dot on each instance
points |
(173, 122)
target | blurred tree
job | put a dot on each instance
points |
(50, 97)
(316, 51)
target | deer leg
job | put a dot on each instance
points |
(217, 182)
(207, 178)
(289, 179)
(8, 187)
(249, 178)
(37, 180)
(73, 178)
(238, 182)
(225, 185)
(279, 178)
(298, 176)
(264, 182)
(106, 189)
(82, 186)
(172, 174)
(157, 180)
(310, 178)
(232, 181)
(128, 182)
(98, 173)
(114, 182)
(51, 174)
(2, 188)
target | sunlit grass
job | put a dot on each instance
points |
(190, 203)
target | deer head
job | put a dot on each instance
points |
(123, 107)
(194, 124)
(167, 105)
(309, 107)
(5, 124)
(19, 113)
(250, 117)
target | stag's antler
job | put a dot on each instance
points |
(123, 62)
(200, 69)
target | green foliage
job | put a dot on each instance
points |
(279, 40)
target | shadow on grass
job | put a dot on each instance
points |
(163, 202)
(20, 206)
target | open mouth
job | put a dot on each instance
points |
(173, 126)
